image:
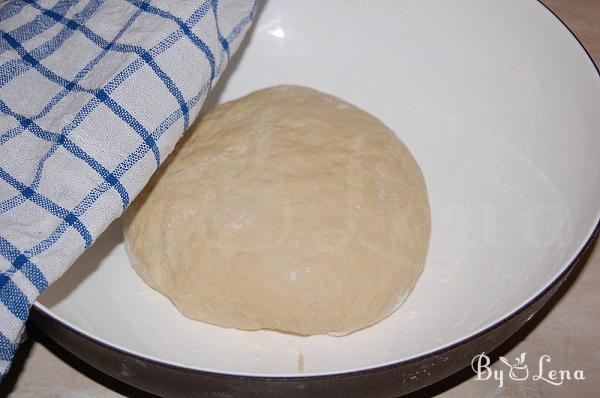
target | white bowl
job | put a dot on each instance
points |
(499, 104)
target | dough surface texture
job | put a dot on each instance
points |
(287, 209)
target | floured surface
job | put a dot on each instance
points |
(287, 209)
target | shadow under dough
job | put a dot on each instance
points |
(85, 265)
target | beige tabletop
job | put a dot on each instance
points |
(567, 330)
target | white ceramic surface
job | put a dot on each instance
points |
(498, 103)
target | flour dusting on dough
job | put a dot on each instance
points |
(240, 223)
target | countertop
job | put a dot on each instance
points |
(567, 330)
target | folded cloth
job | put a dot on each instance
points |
(94, 94)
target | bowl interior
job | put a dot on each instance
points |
(499, 105)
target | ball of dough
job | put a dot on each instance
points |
(287, 209)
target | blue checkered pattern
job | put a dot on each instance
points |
(94, 94)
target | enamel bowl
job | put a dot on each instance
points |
(499, 104)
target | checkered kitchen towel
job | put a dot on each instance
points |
(94, 95)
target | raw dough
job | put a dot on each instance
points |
(287, 209)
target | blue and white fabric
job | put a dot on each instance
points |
(94, 94)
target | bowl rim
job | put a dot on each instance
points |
(45, 312)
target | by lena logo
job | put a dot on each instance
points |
(520, 371)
